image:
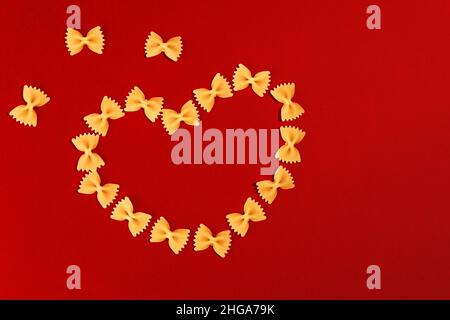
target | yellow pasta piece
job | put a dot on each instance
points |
(89, 160)
(172, 120)
(282, 180)
(25, 114)
(240, 222)
(204, 239)
(284, 93)
(155, 45)
(136, 101)
(99, 122)
(94, 40)
(137, 221)
(242, 78)
(91, 183)
(288, 152)
(177, 239)
(219, 88)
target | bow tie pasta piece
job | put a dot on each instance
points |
(154, 45)
(137, 221)
(242, 78)
(91, 183)
(219, 88)
(25, 114)
(204, 239)
(282, 180)
(172, 120)
(288, 152)
(99, 122)
(136, 101)
(86, 143)
(240, 222)
(94, 40)
(284, 93)
(177, 239)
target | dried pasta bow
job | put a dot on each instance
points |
(177, 239)
(137, 221)
(288, 152)
(91, 183)
(136, 100)
(25, 114)
(284, 93)
(89, 160)
(252, 212)
(172, 120)
(155, 45)
(99, 122)
(243, 78)
(94, 40)
(282, 180)
(219, 88)
(204, 239)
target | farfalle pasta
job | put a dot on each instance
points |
(25, 113)
(240, 222)
(188, 114)
(110, 110)
(268, 189)
(219, 88)
(136, 101)
(288, 152)
(137, 221)
(204, 239)
(94, 40)
(177, 239)
(243, 78)
(89, 160)
(284, 93)
(91, 183)
(154, 45)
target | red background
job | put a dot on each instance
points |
(373, 186)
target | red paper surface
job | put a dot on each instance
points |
(372, 187)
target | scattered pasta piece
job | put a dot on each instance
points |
(99, 122)
(172, 120)
(252, 212)
(137, 221)
(282, 180)
(136, 101)
(177, 239)
(204, 239)
(155, 45)
(219, 88)
(242, 78)
(91, 183)
(284, 93)
(88, 161)
(94, 40)
(25, 114)
(288, 152)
